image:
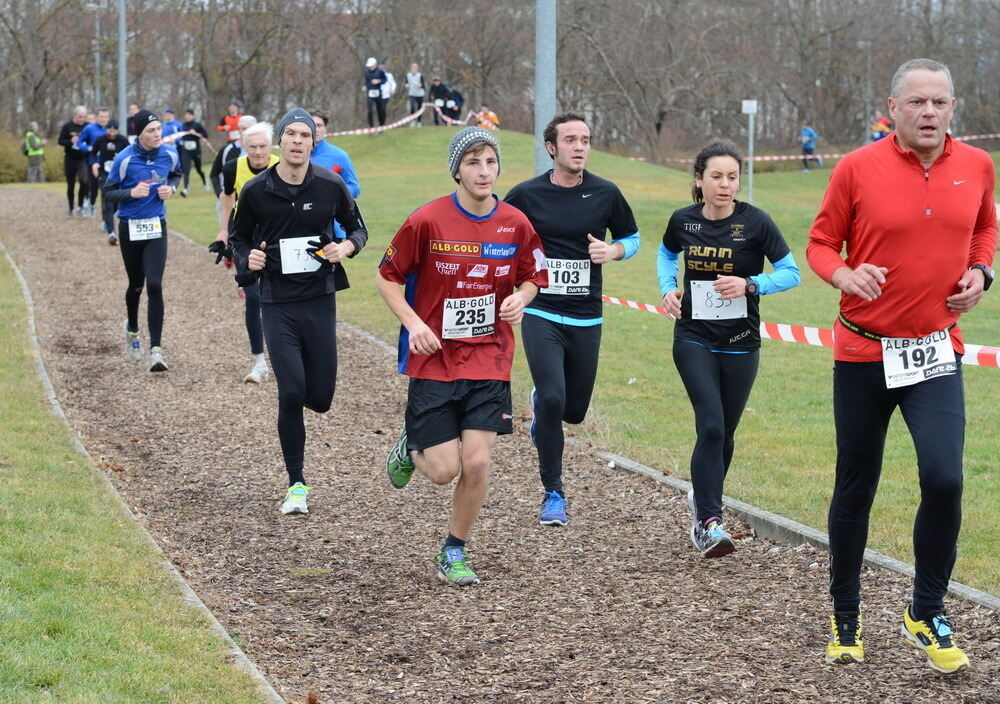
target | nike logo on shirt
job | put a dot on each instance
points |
(586, 195)
(958, 183)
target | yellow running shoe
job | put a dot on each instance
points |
(845, 645)
(933, 636)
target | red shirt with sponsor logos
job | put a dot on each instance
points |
(458, 269)
(927, 226)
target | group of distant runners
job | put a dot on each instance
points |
(465, 268)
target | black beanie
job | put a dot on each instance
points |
(142, 119)
(112, 124)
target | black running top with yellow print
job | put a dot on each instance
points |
(732, 246)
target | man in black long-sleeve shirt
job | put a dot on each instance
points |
(75, 160)
(282, 234)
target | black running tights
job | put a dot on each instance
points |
(934, 412)
(252, 316)
(563, 363)
(301, 341)
(718, 385)
(144, 263)
(76, 172)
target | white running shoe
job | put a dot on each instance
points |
(156, 361)
(133, 345)
(258, 375)
(295, 499)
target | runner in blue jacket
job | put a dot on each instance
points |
(142, 177)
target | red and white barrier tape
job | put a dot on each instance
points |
(406, 120)
(798, 157)
(975, 355)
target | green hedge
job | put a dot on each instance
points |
(14, 164)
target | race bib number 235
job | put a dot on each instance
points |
(468, 317)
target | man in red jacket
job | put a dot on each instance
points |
(915, 212)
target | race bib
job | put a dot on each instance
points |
(294, 259)
(569, 277)
(910, 360)
(189, 145)
(450, 104)
(145, 229)
(374, 93)
(468, 317)
(234, 135)
(107, 165)
(439, 103)
(708, 304)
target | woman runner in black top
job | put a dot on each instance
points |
(717, 333)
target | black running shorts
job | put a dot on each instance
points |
(438, 411)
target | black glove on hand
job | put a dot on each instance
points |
(220, 249)
(313, 251)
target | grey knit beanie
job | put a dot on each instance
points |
(463, 140)
(296, 115)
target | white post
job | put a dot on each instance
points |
(750, 109)
(545, 78)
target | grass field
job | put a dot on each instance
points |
(86, 611)
(785, 445)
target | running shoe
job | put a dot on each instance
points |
(69, 214)
(553, 511)
(133, 345)
(845, 645)
(257, 375)
(712, 539)
(295, 499)
(533, 428)
(933, 636)
(451, 567)
(91, 212)
(156, 361)
(184, 193)
(399, 465)
(113, 239)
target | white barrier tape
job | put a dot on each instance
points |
(975, 355)
(406, 120)
(798, 157)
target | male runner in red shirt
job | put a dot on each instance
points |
(470, 264)
(915, 213)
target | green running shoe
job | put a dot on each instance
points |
(296, 499)
(399, 465)
(452, 568)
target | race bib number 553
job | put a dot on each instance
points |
(144, 229)
(469, 317)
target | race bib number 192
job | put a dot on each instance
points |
(707, 304)
(468, 317)
(910, 360)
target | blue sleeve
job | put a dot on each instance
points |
(666, 269)
(785, 276)
(350, 178)
(630, 243)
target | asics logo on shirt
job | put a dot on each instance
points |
(505, 229)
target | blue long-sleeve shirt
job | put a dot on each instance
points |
(336, 159)
(134, 165)
(88, 137)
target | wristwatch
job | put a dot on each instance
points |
(988, 275)
(751, 287)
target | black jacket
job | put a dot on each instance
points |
(268, 212)
(106, 149)
(66, 134)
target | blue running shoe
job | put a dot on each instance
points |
(533, 428)
(553, 510)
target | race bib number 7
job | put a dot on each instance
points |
(707, 304)
(469, 317)
(910, 360)
(144, 229)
